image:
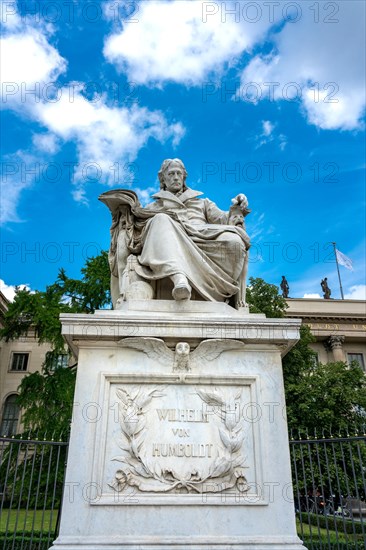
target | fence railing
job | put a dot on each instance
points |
(31, 485)
(329, 492)
(328, 478)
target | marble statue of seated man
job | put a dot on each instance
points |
(179, 236)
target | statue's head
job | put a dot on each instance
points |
(166, 166)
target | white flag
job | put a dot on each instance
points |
(344, 260)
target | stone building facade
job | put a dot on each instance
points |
(339, 327)
(17, 359)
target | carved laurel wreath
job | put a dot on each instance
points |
(224, 473)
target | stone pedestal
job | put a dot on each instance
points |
(179, 436)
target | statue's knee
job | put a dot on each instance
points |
(160, 220)
(236, 240)
(237, 244)
(231, 241)
(228, 237)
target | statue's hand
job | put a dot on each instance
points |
(241, 201)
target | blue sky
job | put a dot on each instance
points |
(264, 98)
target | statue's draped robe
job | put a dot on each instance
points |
(189, 235)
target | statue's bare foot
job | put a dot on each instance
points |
(182, 288)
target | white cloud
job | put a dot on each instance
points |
(9, 16)
(356, 292)
(256, 227)
(104, 135)
(46, 142)
(268, 127)
(314, 296)
(181, 41)
(320, 63)
(9, 290)
(27, 57)
(14, 181)
(266, 136)
(282, 142)
(324, 61)
(28, 60)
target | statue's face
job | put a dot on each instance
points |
(174, 178)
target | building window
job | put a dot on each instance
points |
(9, 422)
(19, 362)
(356, 357)
(60, 361)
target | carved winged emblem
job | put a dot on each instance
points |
(182, 359)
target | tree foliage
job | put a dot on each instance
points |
(40, 310)
(327, 399)
(46, 397)
(322, 398)
(319, 398)
(92, 292)
(264, 298)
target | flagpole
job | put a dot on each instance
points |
(339, 275)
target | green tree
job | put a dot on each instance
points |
(40, 310)
(320, 400)
(92, 292)
(325, 399)
(46, 398)
(264, 298)
(318, 397)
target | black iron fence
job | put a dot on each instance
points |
(328, 477)
(31, 484)
(329, 492)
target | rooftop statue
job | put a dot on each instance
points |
(284, 287)
(325, 288)
(180, 241)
